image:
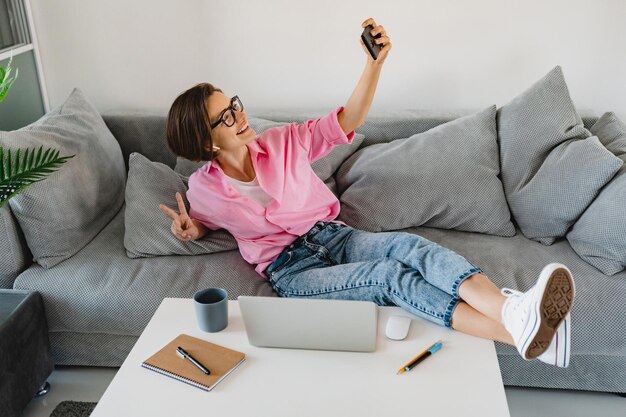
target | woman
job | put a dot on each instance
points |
(264, 192)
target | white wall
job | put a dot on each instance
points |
(446, 54)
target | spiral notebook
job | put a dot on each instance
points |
(219, 360)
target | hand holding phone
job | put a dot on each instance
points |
(369, 41)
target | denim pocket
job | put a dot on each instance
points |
(309, 243)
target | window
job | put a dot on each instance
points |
(13, 25)
(28, 99)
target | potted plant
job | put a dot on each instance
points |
(27, 166)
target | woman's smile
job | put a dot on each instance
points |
(246, 128)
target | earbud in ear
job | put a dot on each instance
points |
(216, 148)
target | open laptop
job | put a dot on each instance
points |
(310, 323)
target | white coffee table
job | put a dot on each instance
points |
(463, 378)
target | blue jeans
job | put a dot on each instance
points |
(389, 268)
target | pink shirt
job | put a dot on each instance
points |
(281, 158)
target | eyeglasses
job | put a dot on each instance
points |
(228, 115)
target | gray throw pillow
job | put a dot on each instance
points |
(63, 213)
(147, 228)
(324, 167)
(551, 169)
(599, 235)
(446, 177)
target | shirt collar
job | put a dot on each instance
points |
(255, 150)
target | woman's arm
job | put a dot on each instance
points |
(355, 111)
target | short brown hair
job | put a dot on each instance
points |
(188, 129)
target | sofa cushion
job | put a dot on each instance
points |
(599, 235)
(446, 177)
(147, 228)
(551, 168)
(101, 290)
(14, 254)
(324, 167)
(61, 214)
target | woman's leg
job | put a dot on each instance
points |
(479, 315)
(440, 266)
(468, 320)
(385, 282)
(537, 322)
(345, 263)
(483, 295)
(311, 274)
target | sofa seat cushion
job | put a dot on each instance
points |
(598, 313)
(14, 254)
(101, 290)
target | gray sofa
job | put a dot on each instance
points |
(99, 300)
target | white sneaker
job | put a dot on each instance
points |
(532, 318)
(558, 352)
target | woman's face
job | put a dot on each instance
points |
(224, 136)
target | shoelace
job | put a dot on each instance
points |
(509, 292)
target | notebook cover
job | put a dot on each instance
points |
(219, 360)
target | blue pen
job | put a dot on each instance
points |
(434, 348)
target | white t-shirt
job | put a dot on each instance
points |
(251, 190)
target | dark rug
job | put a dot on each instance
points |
(73, 409)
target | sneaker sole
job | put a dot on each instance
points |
(563, 345)
(556, 302)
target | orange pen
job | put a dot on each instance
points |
(434, 348)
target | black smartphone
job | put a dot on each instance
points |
(368, 40)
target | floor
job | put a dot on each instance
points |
(88, 384)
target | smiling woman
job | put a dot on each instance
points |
(263, 190)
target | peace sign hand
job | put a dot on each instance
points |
(183, 227)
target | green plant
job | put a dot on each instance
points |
(29, 167)
(33, 166)
(5, 81)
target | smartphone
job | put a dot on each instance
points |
(368, 40)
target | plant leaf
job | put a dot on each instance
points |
(26, 172)
(9, 164)
(38, 160)
(30, 158)
(6, 82)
